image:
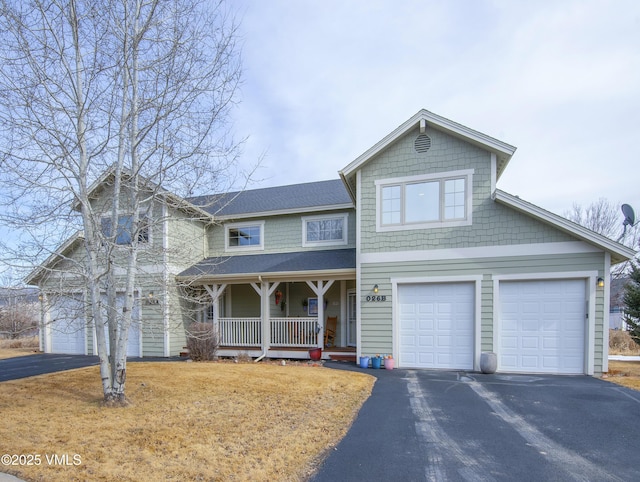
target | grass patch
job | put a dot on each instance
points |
(625, 373)
(187, 421)
(19, 347)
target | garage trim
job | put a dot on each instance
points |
(395, 322)
(589, 276)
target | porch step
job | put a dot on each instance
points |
(345, 357)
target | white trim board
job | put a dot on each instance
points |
(537, 249)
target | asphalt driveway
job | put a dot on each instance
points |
(435, 425)
(41, 363)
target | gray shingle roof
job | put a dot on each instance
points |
(331, 259)
(282, 198)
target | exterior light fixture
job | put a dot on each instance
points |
(600, 283)
(375, 288)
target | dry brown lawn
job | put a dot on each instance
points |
(621, 343)
(626, 373)
(20, 347)
(187, 421)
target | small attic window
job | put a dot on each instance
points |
(422, 143)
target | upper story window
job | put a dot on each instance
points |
(327, 230)
(126, 230)
(429, 201)
(245, 236)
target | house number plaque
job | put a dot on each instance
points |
(376, 298)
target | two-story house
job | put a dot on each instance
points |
(412, 252)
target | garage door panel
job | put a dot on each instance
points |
(425, 359)
(445, 325)
(551, 362)
(542, 326)
(67, 327)
(133, 339)
(529, 361)
(425, 325)
(442, 319)
(408, 340)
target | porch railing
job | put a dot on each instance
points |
(240, 331)
(292, 332)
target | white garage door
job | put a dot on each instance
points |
(133, 342)
(67, 327)
(436, 325)
(542, 326)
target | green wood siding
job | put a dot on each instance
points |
(281, 234)
(376, 318)
(492, 224)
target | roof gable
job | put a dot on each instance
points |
(502, 150)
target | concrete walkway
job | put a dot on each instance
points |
(624, 358)
(9, 478)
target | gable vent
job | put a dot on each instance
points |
(422, 143)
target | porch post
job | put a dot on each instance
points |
(266, 316)
(265, 290)
(321, 315)
(215, 291)
(320, 288)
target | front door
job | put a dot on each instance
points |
(351, 318)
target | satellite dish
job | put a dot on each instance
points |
(629, 219)
(629, 215)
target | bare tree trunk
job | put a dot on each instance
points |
(135, 93)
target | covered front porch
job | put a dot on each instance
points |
(279, 314)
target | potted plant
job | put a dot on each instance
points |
(315, 354)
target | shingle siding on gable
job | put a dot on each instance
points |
(492, 224)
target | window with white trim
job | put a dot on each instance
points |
(327, 230)
(416, 202)
(245, 236)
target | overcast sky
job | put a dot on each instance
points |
(559, 80)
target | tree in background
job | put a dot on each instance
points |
(140, 89)
(601, 216)
(18, 312)
(605, 217)
(632, 303)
